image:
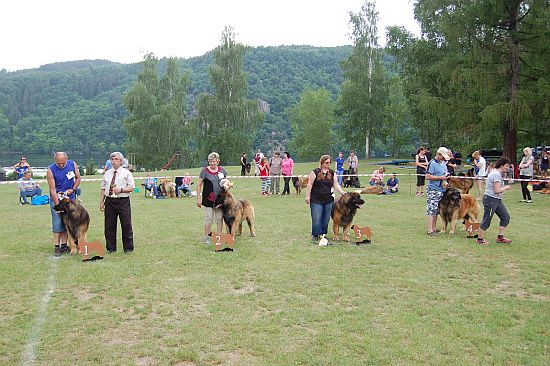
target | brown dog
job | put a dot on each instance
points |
(376, 189)
(168, 188)
(87, 248)
(76, 220)
(300, 183)
(455, 206)
(235, 211)
(343, 211)
(462, 184)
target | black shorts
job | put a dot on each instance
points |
(420, 180)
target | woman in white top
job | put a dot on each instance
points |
(481, 168)
(526, 172)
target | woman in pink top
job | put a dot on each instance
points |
(377, 177)
(287, 167)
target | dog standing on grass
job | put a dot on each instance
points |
(235, 211)
(76, 220)
(455, 206)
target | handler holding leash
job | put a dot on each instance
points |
(436, 175)
(492, 202)
(116, 186)
(63, 179)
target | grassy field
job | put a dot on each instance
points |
(406, 299)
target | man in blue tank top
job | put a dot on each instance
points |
(63, 179)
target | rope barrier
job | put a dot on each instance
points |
(538, 180)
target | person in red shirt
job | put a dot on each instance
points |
(264, 176)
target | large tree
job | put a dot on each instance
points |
(364, 90)
(312, 120)
(227, 120)
(157, 125)
(480, 72)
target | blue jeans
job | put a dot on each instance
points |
(320, 214)
(152, 187)
(339, 174)
(30, 193)
(185, 189)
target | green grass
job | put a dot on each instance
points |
(278, 299)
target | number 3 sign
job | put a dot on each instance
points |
(359, 232)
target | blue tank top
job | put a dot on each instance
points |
(64, 178)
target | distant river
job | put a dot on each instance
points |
(43, 160)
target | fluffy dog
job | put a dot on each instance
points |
(300, 183)
(235, 211)
(343, 211)
(168, 188)
(454, 206)
(76, 220)
(463, 184)
(377, 189)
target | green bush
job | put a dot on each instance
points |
(90, 168)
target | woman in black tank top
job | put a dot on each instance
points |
(421, 161)
(319, 196)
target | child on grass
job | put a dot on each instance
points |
(264, 176)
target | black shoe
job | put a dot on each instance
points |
(128, 251)
(65, 249)
(57, 252)
(111, 251)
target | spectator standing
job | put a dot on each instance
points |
(264, 176)
(353, 164)
(492, 202)
(481, 165)
(287, 168)
(107, 166)
(436, 174)
(21, 167)
(63, 180)
(27, 187)
(243, 164)
(421, 161)
(208, 189)
(275, 169)
(114, 201)
(451, 164)
(428, 153)
(257, 159)
(339, 167)
(526, 172)
(322, 181)
(545, 163)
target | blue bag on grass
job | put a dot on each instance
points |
(40, 200)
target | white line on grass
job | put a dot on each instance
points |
(29, 353)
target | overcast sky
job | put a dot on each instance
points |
(38, 32)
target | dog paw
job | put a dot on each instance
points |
(253, 235)
(335, 238)
(346, 238)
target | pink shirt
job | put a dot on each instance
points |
(287, 166)
(377, 176)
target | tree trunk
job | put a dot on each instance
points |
(510, 125)
(367, 146)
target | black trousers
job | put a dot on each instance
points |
(524, 191)
(118, 208)
(286, 189)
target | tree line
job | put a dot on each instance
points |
(476, 77)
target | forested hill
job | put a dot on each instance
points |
(77, 106)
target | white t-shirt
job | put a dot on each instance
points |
(483, 169)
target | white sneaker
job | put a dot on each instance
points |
(206, 240)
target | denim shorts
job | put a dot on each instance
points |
(57, 223)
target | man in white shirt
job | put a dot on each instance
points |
(116, 186)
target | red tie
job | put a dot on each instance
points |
(112, 186)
